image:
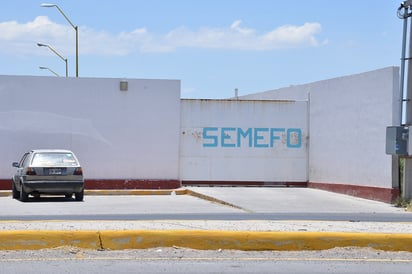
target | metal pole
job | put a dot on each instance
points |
(407, 178)
(402, 80)
(77, 51)
(408, 118)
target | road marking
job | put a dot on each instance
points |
(291, 259)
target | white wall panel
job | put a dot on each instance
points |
(116, 134)
(348, 118)
(348, 121)
(228, 140)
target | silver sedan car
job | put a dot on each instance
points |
(51, 172)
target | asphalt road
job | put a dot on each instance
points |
(349, 217)
(217, 203)
(219, 208)
(230, 209)
(177, 260)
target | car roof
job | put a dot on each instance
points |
(51, 151)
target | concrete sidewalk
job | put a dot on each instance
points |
(224, 234)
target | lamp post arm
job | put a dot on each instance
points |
(55, 52)
(49, 69)
(67, 18)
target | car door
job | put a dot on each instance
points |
(20, 169)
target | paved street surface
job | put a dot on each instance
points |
(180, 260)
(298, 200)
(220, 208)
(216, 211)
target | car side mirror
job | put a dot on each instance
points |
(15, 164)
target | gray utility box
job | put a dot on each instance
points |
(397, 140)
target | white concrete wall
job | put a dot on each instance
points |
(115, 134)
(148, 132)
(348, 121)
(229, 140)
(348, 118)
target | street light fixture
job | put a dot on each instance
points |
(45, 5)
(54, 51)
(49, 69)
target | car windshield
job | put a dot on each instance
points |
(53, 159)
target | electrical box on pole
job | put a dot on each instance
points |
(397, 141)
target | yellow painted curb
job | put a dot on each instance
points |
(201, 239)
(242, 240)
(34, 239)
(5, 193)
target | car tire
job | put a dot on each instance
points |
(16, 194)
(24, 196)
(79, 195)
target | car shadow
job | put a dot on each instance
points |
(49, 199)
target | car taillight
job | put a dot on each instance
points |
(78, 171)
(30, 171)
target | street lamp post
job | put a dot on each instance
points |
(55, 52)
(49, 69)
(404, 12)
(45, 5)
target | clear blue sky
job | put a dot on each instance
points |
(212, 46)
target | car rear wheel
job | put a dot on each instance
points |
(24, 196)
(79, 195)
(16, 194)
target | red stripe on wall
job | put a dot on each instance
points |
(116, 184)
(5, 184)
(386, 195)
(243, 183)
(131, 184)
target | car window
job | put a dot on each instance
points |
(24, 160)
(53, 159)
